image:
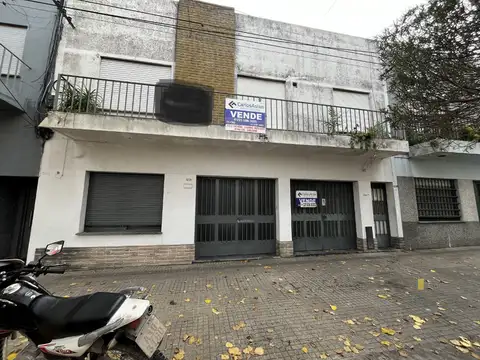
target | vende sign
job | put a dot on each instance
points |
(245, 116)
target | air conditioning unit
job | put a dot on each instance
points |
(183, 103)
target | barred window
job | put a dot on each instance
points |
(437, 199)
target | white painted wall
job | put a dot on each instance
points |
(95, 36)
(61, 188)
(449, 167)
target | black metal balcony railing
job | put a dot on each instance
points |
(122, 98)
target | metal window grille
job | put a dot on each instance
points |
(119, 202)
(437, 199)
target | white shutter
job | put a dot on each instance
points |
(132, 90)
(357, 114)
(274, 91)
(12, 38)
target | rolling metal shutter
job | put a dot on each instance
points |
(13, 38)
(132, 91)
(355, 111)
(124, 202)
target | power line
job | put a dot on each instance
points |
(256, 35)
(209, 33)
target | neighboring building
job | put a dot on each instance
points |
(121, 187)
(28, 36)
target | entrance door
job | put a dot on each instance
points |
(328, 226)
(380, 215)
(235, 217)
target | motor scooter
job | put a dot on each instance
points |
(97, 326)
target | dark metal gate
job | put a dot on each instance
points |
(234, 217)
(380, 215)
(330, 225)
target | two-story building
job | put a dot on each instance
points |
(29, 35)
(120, 186)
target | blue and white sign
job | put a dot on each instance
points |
(306, 198)
(245, 115)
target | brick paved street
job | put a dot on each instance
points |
(285, 304)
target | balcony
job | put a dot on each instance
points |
(93, 109)
(10, 81)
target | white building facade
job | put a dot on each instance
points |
(121, 187)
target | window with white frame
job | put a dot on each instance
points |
(12, 43)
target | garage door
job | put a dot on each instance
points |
(330, 225)
(234, 217)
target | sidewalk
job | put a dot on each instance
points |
(284, 306)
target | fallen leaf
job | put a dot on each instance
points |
(12, 356)
(417, 319)
(374, 333)
(215, 311)
(228, 344)
(339, 351)
(455, 342)
(461, 349)
(370, 278)
(73, 284)
(248, 350)
(225, 357)
(418, 327)
(403, 353)
(259, 351)
(179, 354)
(453, 322)
(185, 337)
(267, 267)
(347, 349)
(416, 338)
(476, 343)
(323, 355)
(355, 350)
(187, 300)
(399, 346)
(209, 286)
(349, 322)
(346, 342)
(180, 316)
(316, 310)
(270, 330)
(366, 318)
(168, 323)
(433, 271)
(463, 297)
(388, 331)
(359, 347)
(239, 326)
(191, 340)
(442, 309)
(475, 355)
(304, 349)
(383, 296)
(333, 307)
(477, 322)
(234, 351)
(386, 343)
(199, 341)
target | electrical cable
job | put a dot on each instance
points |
(18, 102)
(210, 33)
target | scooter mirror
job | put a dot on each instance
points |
(54, 248)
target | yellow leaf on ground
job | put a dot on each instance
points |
(209, 286)
(476, 343)
(73, 284)
(304, 349)
(416, 338)
(259, 351)
(215, 311)
(187, 300)
(477, 322)
(191, 340)
(267, 267)
(455, 342)
(399, 346)
(228, 344)
(248, 350)
(475, 356)
(225, 357)
(359, 347)
(199, 341)
(12, 356)
(416, 326)
(461, 349)
(355, 350)
(346, 342)
(179, 354)
(442, 309)
(208, 301)
(349, 322)
(180, 316)
(432, 271)
(386, 343)
(466, 343)
(235, 351)
(383, 296)
(347, 349)
(388, 331)
(374, 333)
(168, 323)
(417, 319)
(323, 355)
(366, 318)
(333, 307)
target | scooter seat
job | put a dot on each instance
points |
(62, 317)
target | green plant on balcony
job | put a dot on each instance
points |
(470, 133)
(79, 100)
(365, 140)
(332, 122)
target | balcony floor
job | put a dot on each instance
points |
(114, 129)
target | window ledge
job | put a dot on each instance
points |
(139, 232)
(442, 222)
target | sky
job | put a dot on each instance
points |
(364, 18)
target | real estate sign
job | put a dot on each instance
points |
(306, 198)
(245, 115)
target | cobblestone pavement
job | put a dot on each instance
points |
(286, 304)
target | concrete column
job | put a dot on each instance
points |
(395, 216)
(362, 195)
(284, 218)
(468, 200)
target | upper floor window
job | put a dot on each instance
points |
(437, 199)
(12, 41)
